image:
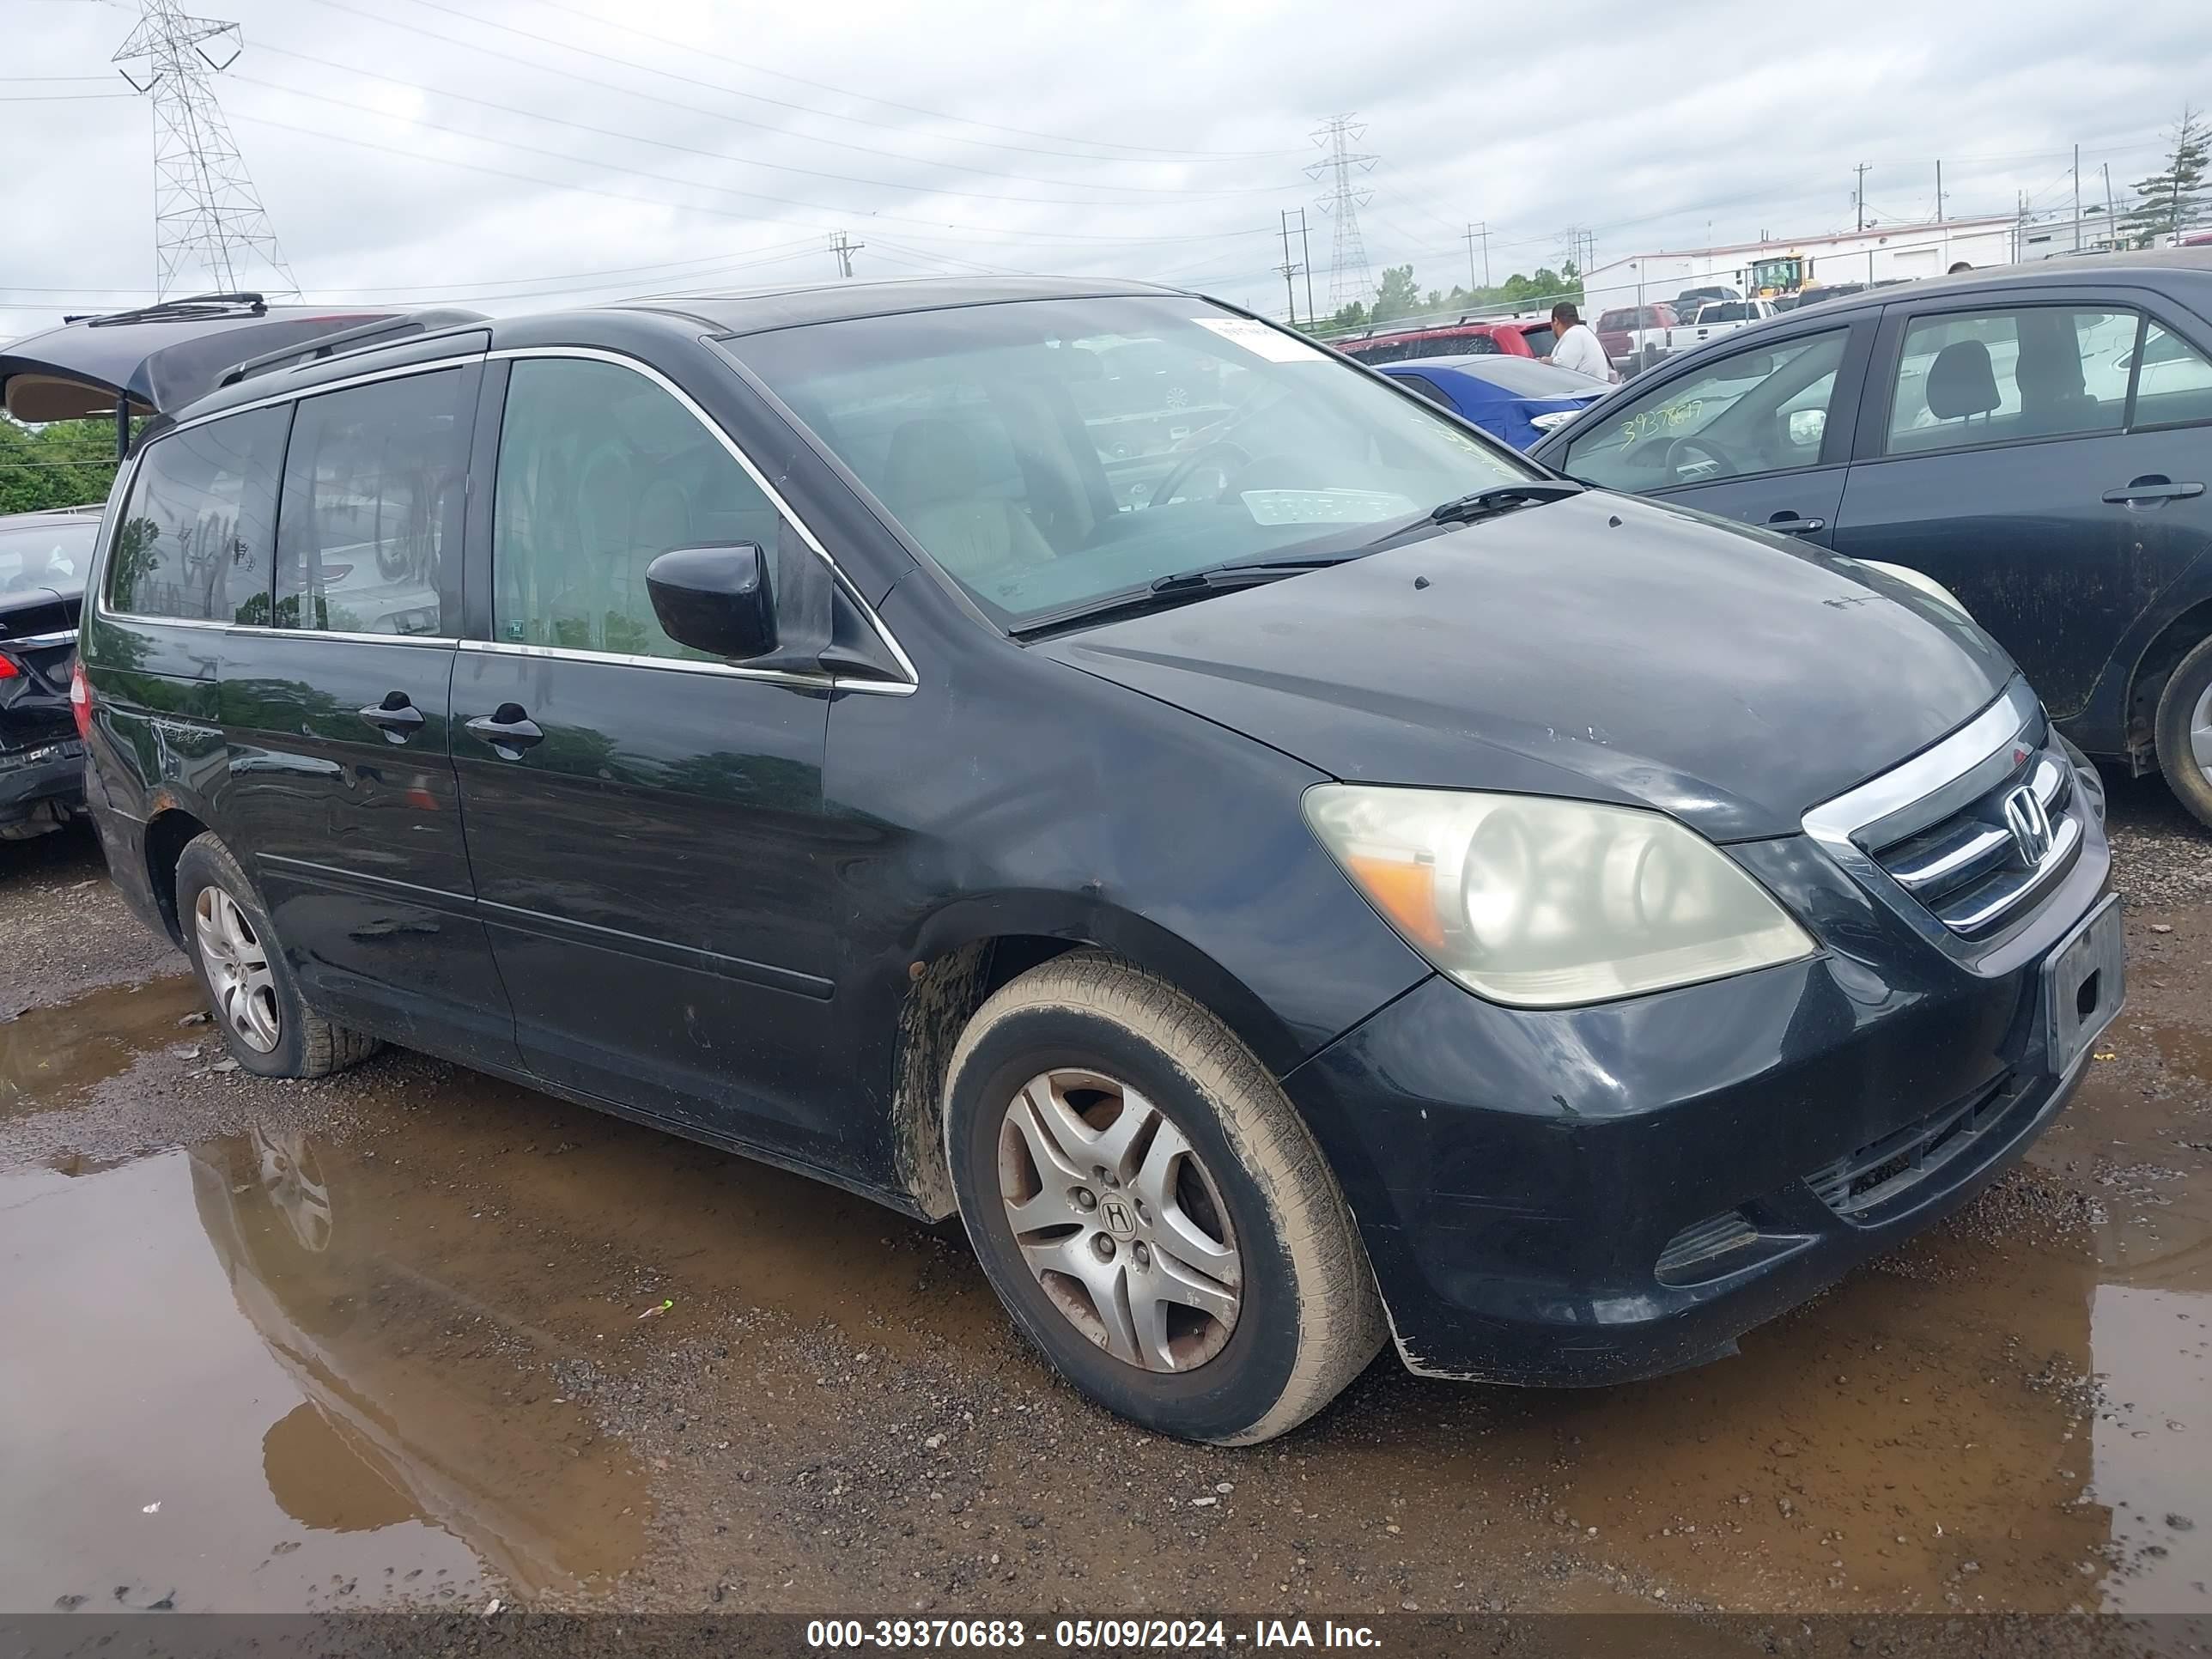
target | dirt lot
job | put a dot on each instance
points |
(410, 1336)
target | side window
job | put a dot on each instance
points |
(1967, 377)
(375, 489)
(196, 539)
(1541, 341)
(2173, 382)
(1427, 388)
(1754, 411)
(600, 472)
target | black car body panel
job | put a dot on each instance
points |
(755, 905)
(43, 560)
(2095, 594)
(1366, 676)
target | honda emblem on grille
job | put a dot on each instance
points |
(2029, 823)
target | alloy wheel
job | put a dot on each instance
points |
(1120, 1220)
(237, 967)
(2200, 733)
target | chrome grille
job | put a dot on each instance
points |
(1975, 869)
(1965, 839)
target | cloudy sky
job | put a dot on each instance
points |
(512, 154)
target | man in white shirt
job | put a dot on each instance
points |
(1574, 345)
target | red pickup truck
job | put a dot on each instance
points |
(1635, 338)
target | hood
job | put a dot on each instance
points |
(1602, 647)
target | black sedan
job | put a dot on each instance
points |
(2036, 439)
(43, 560)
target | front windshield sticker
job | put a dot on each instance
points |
(1324, 506)
(1262, 341)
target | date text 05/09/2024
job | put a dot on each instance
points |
(1086, 1635)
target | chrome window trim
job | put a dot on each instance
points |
(813, 543)
(685, 664)
(65, 637)
(299, 393)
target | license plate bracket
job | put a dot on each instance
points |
(2084, 979)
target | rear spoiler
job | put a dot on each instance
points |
(156, 360)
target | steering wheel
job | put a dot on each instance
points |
(1694, 460)
(1218, 453)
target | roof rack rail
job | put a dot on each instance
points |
(190, 306)
(350, 340)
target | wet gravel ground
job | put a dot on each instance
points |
(409, 1337)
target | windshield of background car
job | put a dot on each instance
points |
(1050, 453)
(52, 555)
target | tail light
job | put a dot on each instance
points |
(81, 700)
(9, 668)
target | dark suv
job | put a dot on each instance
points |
(2036, 439)
(1369, 874)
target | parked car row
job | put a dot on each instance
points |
(2038, 440)
(1362, 887)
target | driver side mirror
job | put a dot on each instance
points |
(716, 600)
(1807, 427)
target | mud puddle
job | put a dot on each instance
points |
(49, 1057)
(412, 1322)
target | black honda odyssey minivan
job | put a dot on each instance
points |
(1289, 874)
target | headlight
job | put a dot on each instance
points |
(1920, 578)
(1545, 903)
(1557, 418)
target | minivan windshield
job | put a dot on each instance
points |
(1050, 454)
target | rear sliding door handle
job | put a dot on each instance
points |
(396, 717)
(1793, 526)
(508, 730)
(2152, 488)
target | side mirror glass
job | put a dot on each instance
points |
(716, 600)
(1806, 426)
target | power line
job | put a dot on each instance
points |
(915, 189)
(207, 215)
(692, 49)
(1037, 238)
(612, 86)
(1349, 272)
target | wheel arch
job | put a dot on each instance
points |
(968, 949)
(2155, 664)
(172, 828)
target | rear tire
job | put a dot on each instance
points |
(251, 988)
(1285, 1312)
(2185, 708)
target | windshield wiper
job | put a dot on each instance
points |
(1503, 498)
(1179, 588)
(1248, 574)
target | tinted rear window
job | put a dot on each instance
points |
(1529, 377)
(46, 556)
(197, 537)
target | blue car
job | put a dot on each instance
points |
(1518, 399)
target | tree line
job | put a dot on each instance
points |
(63, 463)
(1398, 296)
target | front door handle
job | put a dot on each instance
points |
(1790, 525)
(2153, 487)
(508, 730)
(396, 718)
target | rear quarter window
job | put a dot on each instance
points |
(196, 540)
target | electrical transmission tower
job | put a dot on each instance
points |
(207, 216)
(844, 247)
(1349, 277)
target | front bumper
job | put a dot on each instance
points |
(1535, 1188)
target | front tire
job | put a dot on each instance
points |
(251, 988)
(1149, 1207)
(2184, 731)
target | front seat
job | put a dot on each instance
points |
(930, 481)
(1960, 382)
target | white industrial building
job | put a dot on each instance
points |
(1878, 253)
